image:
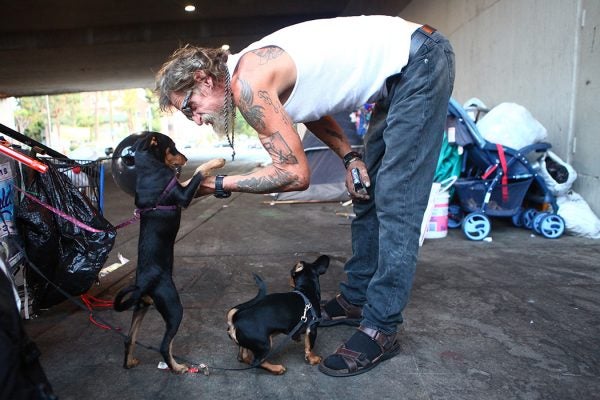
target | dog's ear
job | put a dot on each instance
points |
(145, 143)
(321, 264)
(297, 268)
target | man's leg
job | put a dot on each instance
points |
(416, 110)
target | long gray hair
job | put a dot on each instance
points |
(177, 73)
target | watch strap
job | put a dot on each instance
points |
(220, 193)
(350, 157)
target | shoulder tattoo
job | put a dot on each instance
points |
(267, 54)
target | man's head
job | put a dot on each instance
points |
(192, 80)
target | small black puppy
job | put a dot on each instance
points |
(158, 198)
(253, 323)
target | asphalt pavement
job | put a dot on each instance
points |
(515, 317)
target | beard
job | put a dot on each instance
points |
(217, 121)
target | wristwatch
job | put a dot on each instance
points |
(350, 157)
(220, 193)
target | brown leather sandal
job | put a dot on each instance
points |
(352, 314)
(357, 362)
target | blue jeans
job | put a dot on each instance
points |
(402, 147)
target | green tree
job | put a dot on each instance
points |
(30, 117)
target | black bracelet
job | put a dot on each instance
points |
(351, 156)
(220, 193)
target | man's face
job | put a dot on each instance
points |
(202, 106)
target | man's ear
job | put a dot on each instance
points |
(200, 75)
(204, 79)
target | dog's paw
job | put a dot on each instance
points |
(131, 363)
(275, 369)
(179, 368)
(211, 165)
(313, 359)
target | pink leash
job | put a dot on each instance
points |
(136, 214)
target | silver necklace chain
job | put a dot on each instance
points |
(229, 112)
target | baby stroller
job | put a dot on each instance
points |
(495, 181)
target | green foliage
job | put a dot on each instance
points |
(30, 117)
(115, 112)
(242, 127)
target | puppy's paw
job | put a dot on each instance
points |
(313, 359)
(275, 369)
(209, 166)
(179, 368)
(131, 363)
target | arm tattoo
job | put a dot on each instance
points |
(280, 179)
(267, 54)
(278, 149)
(264, 95)
(254, 114)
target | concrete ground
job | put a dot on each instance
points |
(514, 318)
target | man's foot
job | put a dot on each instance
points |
(363, 352)
(340, 311)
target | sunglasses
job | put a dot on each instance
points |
(185, 108)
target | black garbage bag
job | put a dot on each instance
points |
(68, 255)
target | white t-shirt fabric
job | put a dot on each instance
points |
(341, 63)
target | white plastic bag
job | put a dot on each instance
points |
(549, 163)
(511, 125)
(579, 218)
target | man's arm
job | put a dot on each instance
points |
(329, 131)
(257, 86)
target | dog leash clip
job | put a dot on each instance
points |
(307, 307)
(204, 369)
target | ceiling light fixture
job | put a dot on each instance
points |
(190, 8)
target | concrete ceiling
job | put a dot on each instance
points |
(65, 46)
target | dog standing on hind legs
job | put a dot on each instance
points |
(252, 324)
(159, 198)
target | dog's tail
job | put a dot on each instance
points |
(262, 292)
(120, 305)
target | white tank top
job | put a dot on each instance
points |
(341, 63)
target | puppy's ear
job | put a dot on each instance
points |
(297, 268)
(146, 142)
(321, 264)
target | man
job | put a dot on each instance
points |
(304, 73)
(21, 374)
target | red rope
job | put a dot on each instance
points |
(92, 302)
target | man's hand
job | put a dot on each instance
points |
(208, 184)
(364, 178)
(206, 168)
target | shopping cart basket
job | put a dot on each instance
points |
(86, 175)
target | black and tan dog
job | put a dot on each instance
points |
(253, 323)
(159, 198)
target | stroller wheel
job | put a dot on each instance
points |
(476, 226)
(517, 219)
(537, 221)
(527, 217)
(552, 226)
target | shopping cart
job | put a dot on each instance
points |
(86, 175)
